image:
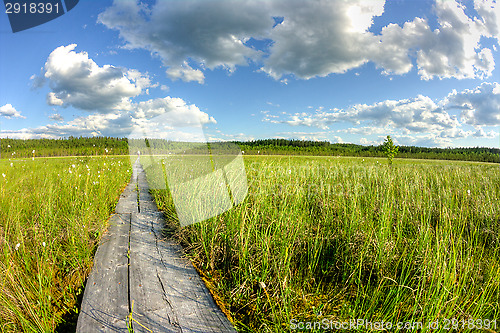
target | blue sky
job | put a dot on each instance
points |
(425, 72)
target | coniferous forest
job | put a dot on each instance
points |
(85, 146)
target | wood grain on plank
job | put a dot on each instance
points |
(105, 300)
(146, 201)
(137, 270)
(194, 306)
(151, 308)
(127, 203)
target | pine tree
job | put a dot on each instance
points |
(390, 149)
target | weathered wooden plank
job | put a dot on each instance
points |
(127, 204)
(193, 305)
(151, 308)
(146, 201)
(105, 300)
(134, 265)
(147, 204)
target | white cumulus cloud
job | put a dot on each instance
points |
(8, 111)
(419, 114)
(306, 39)
(179, 113)
(210, 33)
(480, 106)
(419, 118)
(178, 117)
(77, 80)
(317, 38)
(56, 117)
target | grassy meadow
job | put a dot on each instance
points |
(316, 238)
(52, 213)
(337, 238)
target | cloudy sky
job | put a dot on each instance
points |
(425, 72)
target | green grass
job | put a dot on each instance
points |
(345, 238)
(52, 213)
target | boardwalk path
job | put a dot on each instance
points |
(133, 265)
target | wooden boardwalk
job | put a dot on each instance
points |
(137, 271)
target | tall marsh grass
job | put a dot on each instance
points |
(52, 213)
(343, 238)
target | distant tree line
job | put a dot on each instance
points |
(84, 146)
(71, 146)
(303, 147)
